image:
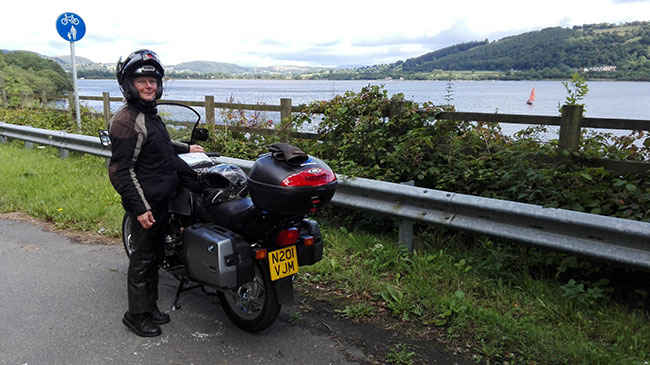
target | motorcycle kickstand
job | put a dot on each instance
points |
(181, 288)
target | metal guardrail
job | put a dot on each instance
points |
(617, 240)
(613, 239)
(64, 141)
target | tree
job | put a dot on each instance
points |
(22, 71)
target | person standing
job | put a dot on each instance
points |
(142, 170)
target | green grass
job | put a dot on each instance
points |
(505, 302)
(476, 292)
(72, 193)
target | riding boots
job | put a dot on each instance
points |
(159, 317)
(141, 324)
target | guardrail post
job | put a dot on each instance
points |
(44, 98)
(4, 98)
(405, 234)
(209, 109)
(570, 127)
(64, 152)
(23, 100)
(3, 140)
(106, 99)
(29, 145)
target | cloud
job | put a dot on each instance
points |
(99, 38)
(62, 47)
(334, 55)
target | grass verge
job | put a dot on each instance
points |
(487, 297)
(71, 193)
(504, 303)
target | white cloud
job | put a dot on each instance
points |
(256, 32)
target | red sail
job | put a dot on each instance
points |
(532, 97)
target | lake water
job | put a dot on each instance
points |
(606, 99)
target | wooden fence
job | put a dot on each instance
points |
(571, 121)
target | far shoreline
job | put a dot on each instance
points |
(369, 80)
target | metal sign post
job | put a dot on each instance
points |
(72, 28)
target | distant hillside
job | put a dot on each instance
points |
(210, 67)
(602, 50)
(580, 47)
(29, 72)
(426, 61)
(86, 68)
(205, 67)
(65, 62)
(194, 69)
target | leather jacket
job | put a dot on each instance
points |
(143, 164)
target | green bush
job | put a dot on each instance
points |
(59, 120)
(358, 139)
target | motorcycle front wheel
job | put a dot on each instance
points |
(253, 306)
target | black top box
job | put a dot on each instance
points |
(282, 188)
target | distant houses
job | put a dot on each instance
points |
(599, 68)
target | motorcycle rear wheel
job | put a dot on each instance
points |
(253, 306)
(127, 224)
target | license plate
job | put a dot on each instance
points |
(283, 262)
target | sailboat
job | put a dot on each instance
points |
(531, 98)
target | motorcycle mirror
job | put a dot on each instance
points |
(104, 138)
(200, 134)
(197, 135)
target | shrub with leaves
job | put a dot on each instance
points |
(368, 134)
(233, 143)
(60, 120)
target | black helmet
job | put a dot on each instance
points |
(223, 182)
(139, 63)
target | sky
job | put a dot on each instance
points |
(302, 33)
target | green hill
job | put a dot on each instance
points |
(205, 67)
(583, 47)
(65, 62)
(223, 69)
(23, 71)
(600, 50)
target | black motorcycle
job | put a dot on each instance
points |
(241, 236)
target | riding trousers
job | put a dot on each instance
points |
(148, 252)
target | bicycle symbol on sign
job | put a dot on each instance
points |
(69, 18)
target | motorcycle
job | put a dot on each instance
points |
(244, 237)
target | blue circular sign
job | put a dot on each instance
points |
(70, 27)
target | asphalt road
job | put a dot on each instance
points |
(61, 302)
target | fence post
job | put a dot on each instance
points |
(23, 100)
(570, 127)
(71, 101)
(44, 98)
(285, 113)
(396, 108)
(209, 109)
(106, 99)
(405, 234)
(4, 98)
